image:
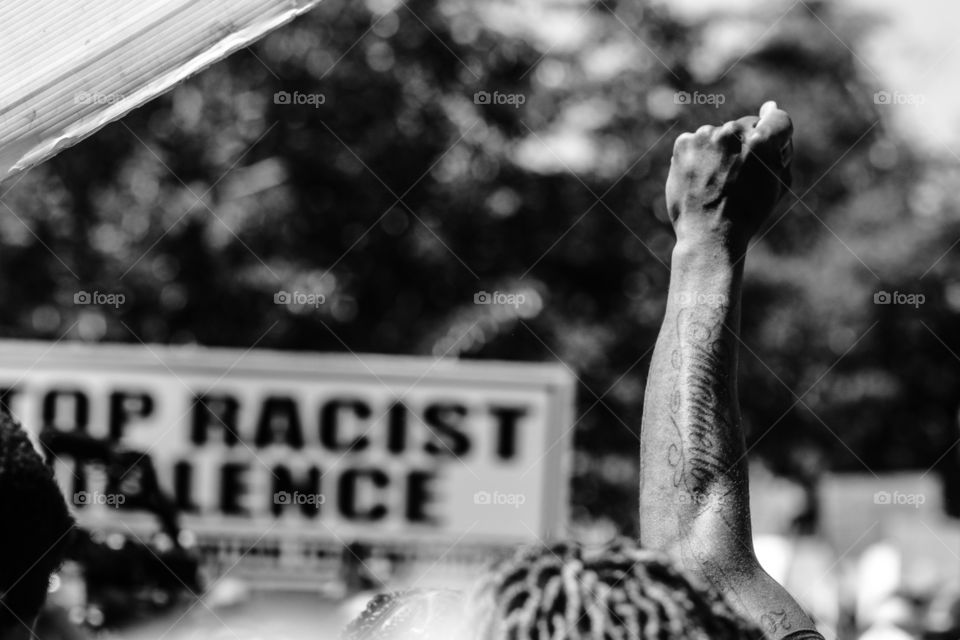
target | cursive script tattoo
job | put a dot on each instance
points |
(700, 401)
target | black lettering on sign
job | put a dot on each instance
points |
(444, 421)
(397, 428)
(232, 489)
(126, 406)
(330, 415)
(279, 422)
(52, 413)
(182, 485)
(347, 498)
(215, 411)
(507, 419)
(419, 497)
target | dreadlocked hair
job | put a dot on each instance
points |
(34, 526)
(418, 614)
(621, 592)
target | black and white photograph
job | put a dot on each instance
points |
(499, 320)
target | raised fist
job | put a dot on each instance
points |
(724, 181)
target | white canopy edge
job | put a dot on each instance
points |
(70, 67)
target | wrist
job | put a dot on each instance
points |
(715, 229)
(721, 250)
(705, 270)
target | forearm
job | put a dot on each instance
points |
(694, 494)
(693, 471)
(694, 500)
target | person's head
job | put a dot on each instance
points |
(34, 528)
(566, 592)
(617, 592)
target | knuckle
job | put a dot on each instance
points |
(726, 134)
(682, 141)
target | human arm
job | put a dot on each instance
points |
(694, 495)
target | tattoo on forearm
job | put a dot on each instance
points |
(700, 401)
(675, 455)
(774, 621)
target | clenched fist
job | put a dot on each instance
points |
(724, 181)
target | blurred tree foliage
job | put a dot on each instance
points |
(403, 194)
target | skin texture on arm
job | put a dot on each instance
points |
(694, 496)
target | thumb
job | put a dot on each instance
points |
(767, 107)
(773, 133)
(774, 122)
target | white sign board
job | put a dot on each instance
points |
(311, 446)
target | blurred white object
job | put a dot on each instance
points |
(889, 618)
(70, 67)
(879, 577)
(943, 614)
(67, 587)
(228, 592)
(775, 554)
(886, 632)
(809, 569)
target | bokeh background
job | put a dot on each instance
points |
(403, 191)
